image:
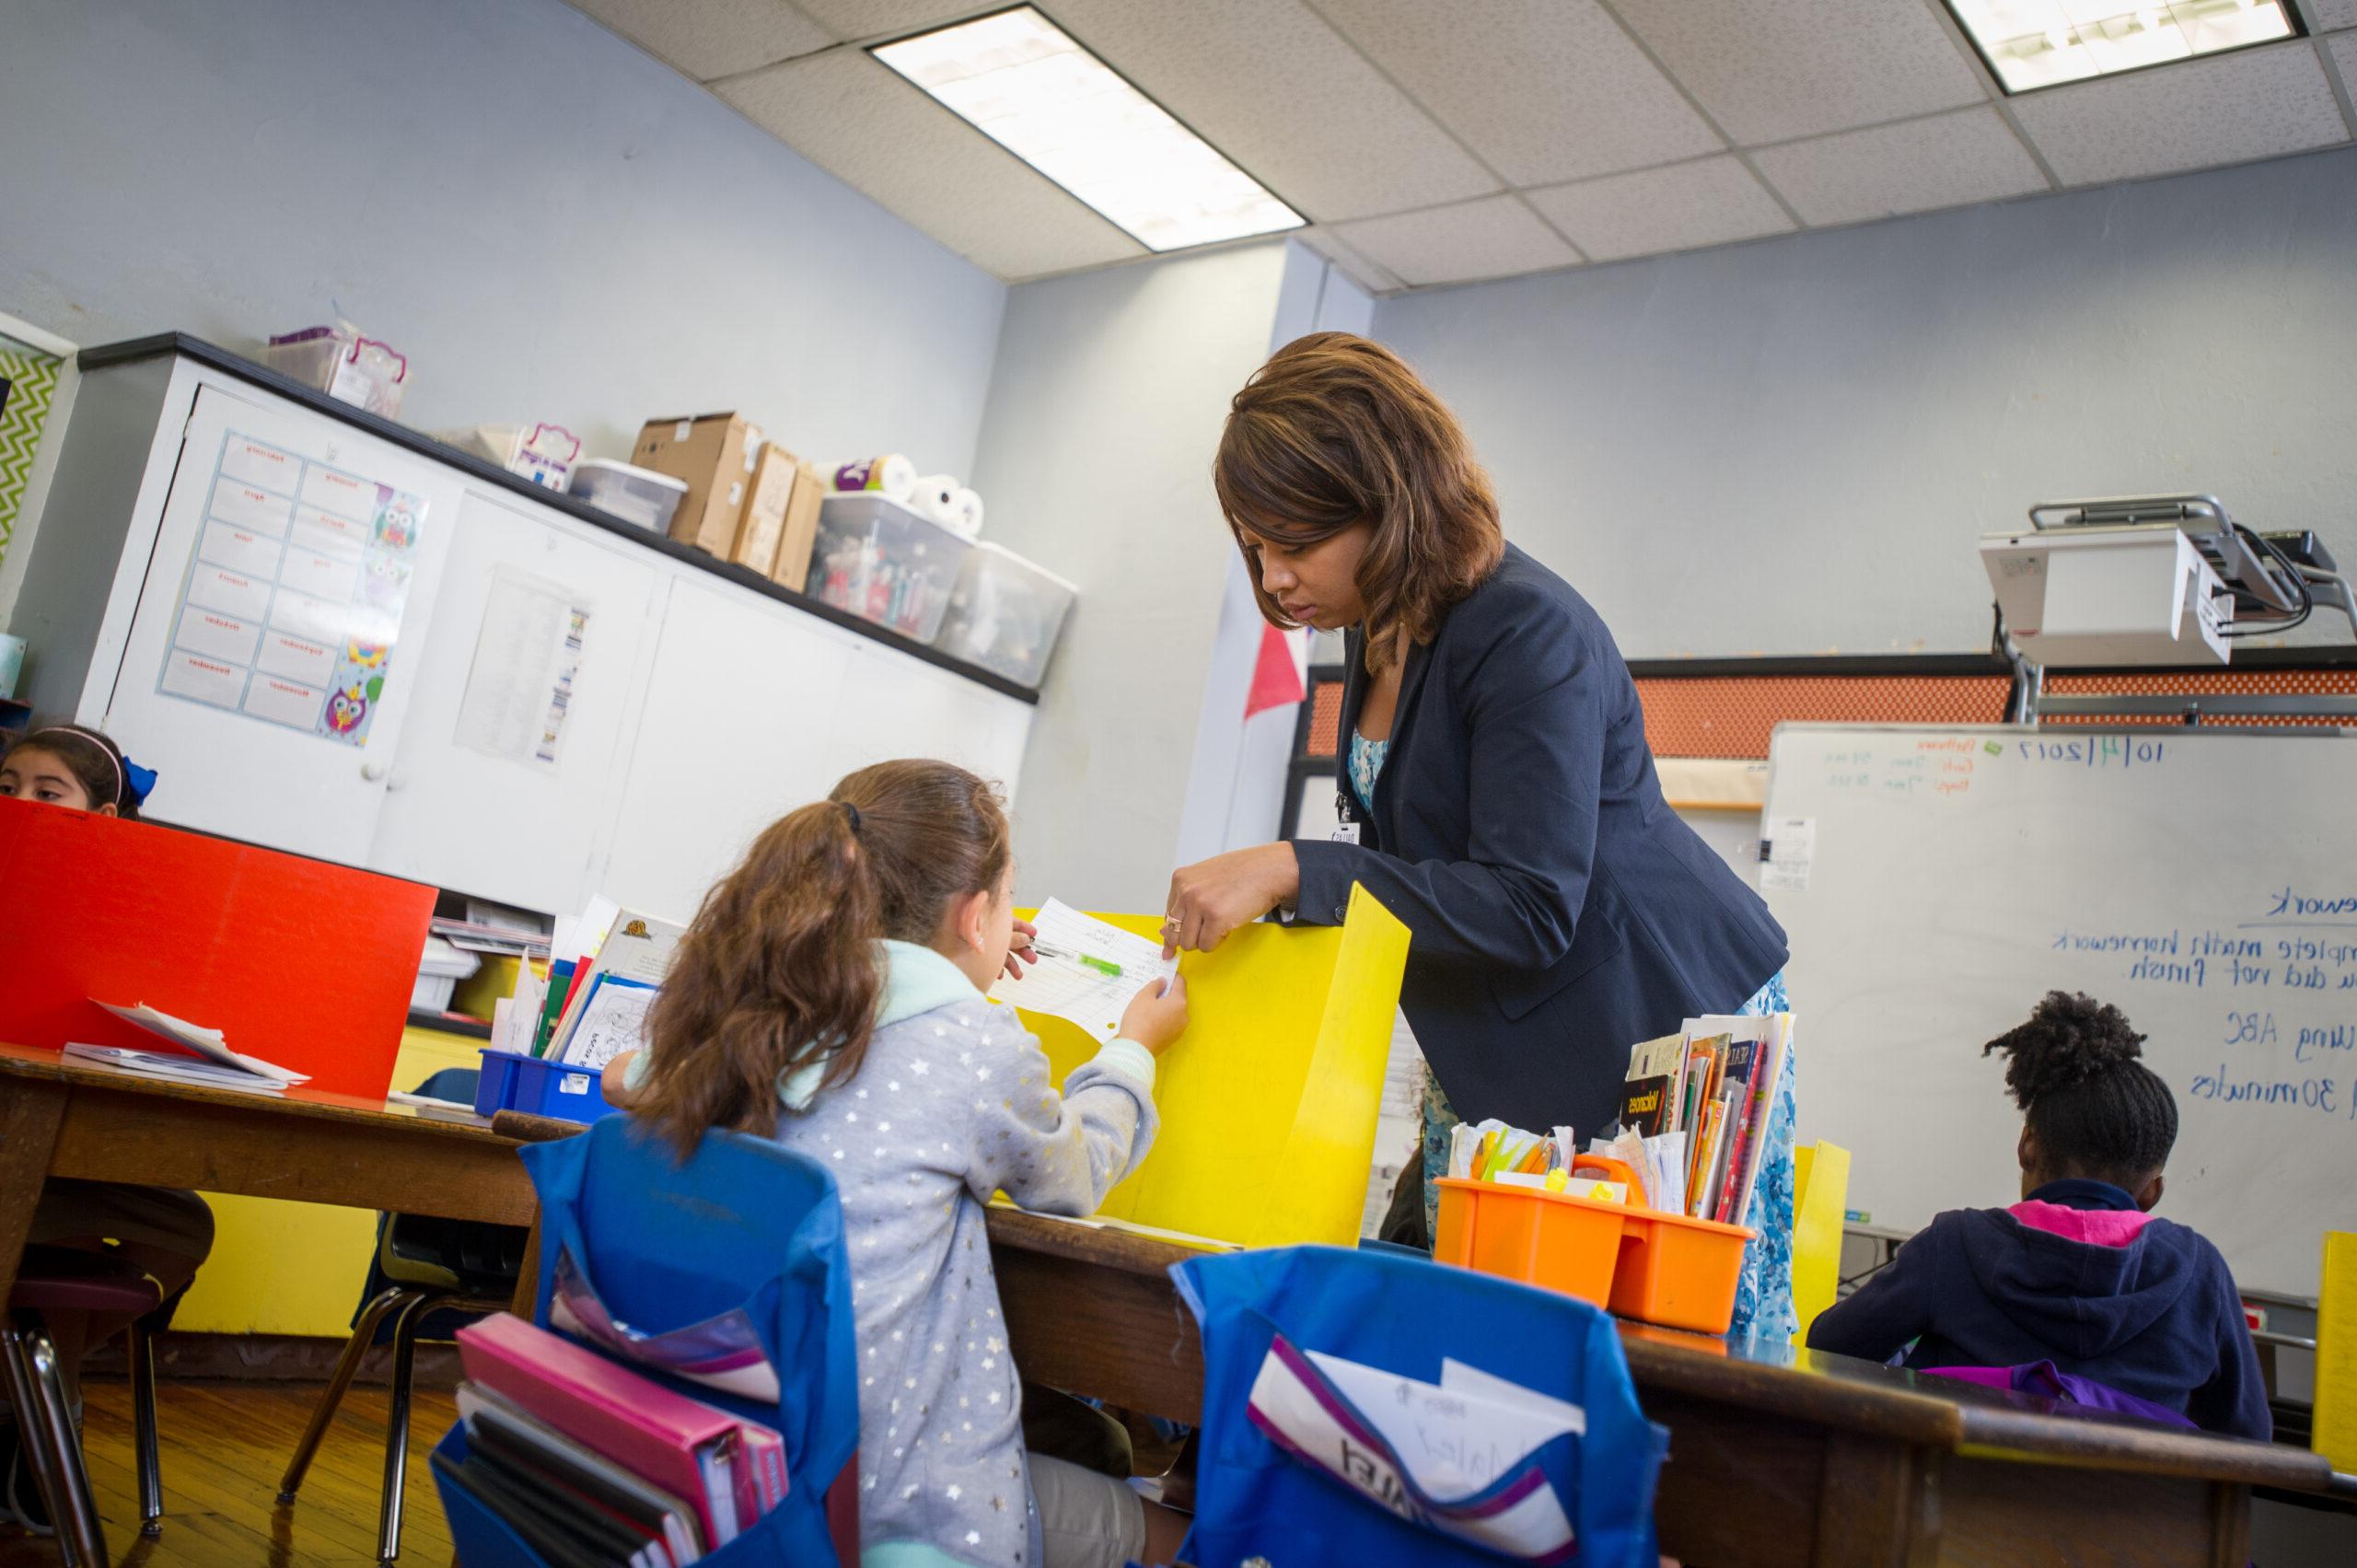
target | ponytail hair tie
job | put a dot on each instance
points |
(852, 812)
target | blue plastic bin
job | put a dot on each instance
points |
(510, 1082)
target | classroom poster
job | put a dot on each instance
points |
(293, 597)
(528, 656)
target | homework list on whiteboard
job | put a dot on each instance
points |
(291, 605)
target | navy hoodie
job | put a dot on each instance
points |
(2077, 1275)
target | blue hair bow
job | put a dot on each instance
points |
(137, 780)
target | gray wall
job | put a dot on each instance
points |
(1792, 446)
(1104, 411)
(549, 223)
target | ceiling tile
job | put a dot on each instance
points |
(1772, 69)
(870, 129)
(1545, 93)
(2335, 13)
(2344, 56)
(1494, 238)
(1709, 202)
(712, 38)
(1284, 96)
(1372, 275)
(1947, 161)
(2194, 114)
(877, 18)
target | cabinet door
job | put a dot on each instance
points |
(897, 706)
(734, 735)
(276, 644)
(507, 780)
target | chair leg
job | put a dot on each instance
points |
(338, 1382)
(389, 1520)
(55, 1448)
(142, 1420)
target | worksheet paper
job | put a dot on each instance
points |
(528, 656)
(211, 1044)
(1460, 1435)
(1081, 994)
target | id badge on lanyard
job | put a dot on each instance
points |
(1346, 831)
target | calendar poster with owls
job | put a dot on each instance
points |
(292, 608)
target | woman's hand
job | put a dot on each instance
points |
(1018, 952)
(1212, 897)
(1157, 1015)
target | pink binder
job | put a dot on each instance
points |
(731, 1471)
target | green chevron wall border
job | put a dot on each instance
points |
(32, 387)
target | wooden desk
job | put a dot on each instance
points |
(1777, 1457)
(59, 1118)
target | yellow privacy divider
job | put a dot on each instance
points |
(2334, 1433)
(1821, 1188)
(1269, 1100)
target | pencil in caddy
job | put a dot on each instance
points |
(1640, 1262)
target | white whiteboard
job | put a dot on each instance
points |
(1955, 875)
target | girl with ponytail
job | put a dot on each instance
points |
(828, 994)
(2080, 1277)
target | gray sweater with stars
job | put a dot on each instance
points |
(951, 1104)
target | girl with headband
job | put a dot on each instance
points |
(73, 766)
(164, 1232)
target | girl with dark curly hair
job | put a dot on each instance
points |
(2081, 1272)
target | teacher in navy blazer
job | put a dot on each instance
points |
(1495, 773)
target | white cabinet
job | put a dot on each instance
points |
(505, 779)
(284, 609)
(734, 733)
(696, 709)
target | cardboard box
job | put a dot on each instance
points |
(765, 504)
(716, 453)
(800, 535)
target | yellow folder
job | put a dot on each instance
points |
(1269, 1100)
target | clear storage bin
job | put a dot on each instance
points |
(634, 494)
(364, 372)
(883, 563)
(1006, 614)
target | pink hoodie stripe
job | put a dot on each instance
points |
(2096, 1227)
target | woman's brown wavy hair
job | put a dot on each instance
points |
(779, 968)
(1335, 431)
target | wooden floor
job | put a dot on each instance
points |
(223, 1448)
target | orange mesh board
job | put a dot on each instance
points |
(2204, 683)
(1733, 716)
(1325, 718)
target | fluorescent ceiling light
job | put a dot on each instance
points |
(1021, 80)
(2036, 44)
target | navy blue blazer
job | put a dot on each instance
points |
(1559, 910)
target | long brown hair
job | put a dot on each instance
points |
(1335, 431)
(779, 969)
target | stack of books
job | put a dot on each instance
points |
(593, 1463)
(1711, 1087)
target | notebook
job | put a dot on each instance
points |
(498, 1426)
(731, 1470)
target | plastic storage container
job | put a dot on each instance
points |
(882, 562)
(1663, 1269)
(511, 1082)
(1006, 614)
(634, 494)
(438, 974)
(364, 372)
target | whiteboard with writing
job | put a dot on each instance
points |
(1936, 882)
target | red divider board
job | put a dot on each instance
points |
(296, 961)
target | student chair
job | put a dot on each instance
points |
(1295, 1465)
(745, 1229)
(429, 1276)
(59, 1279)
